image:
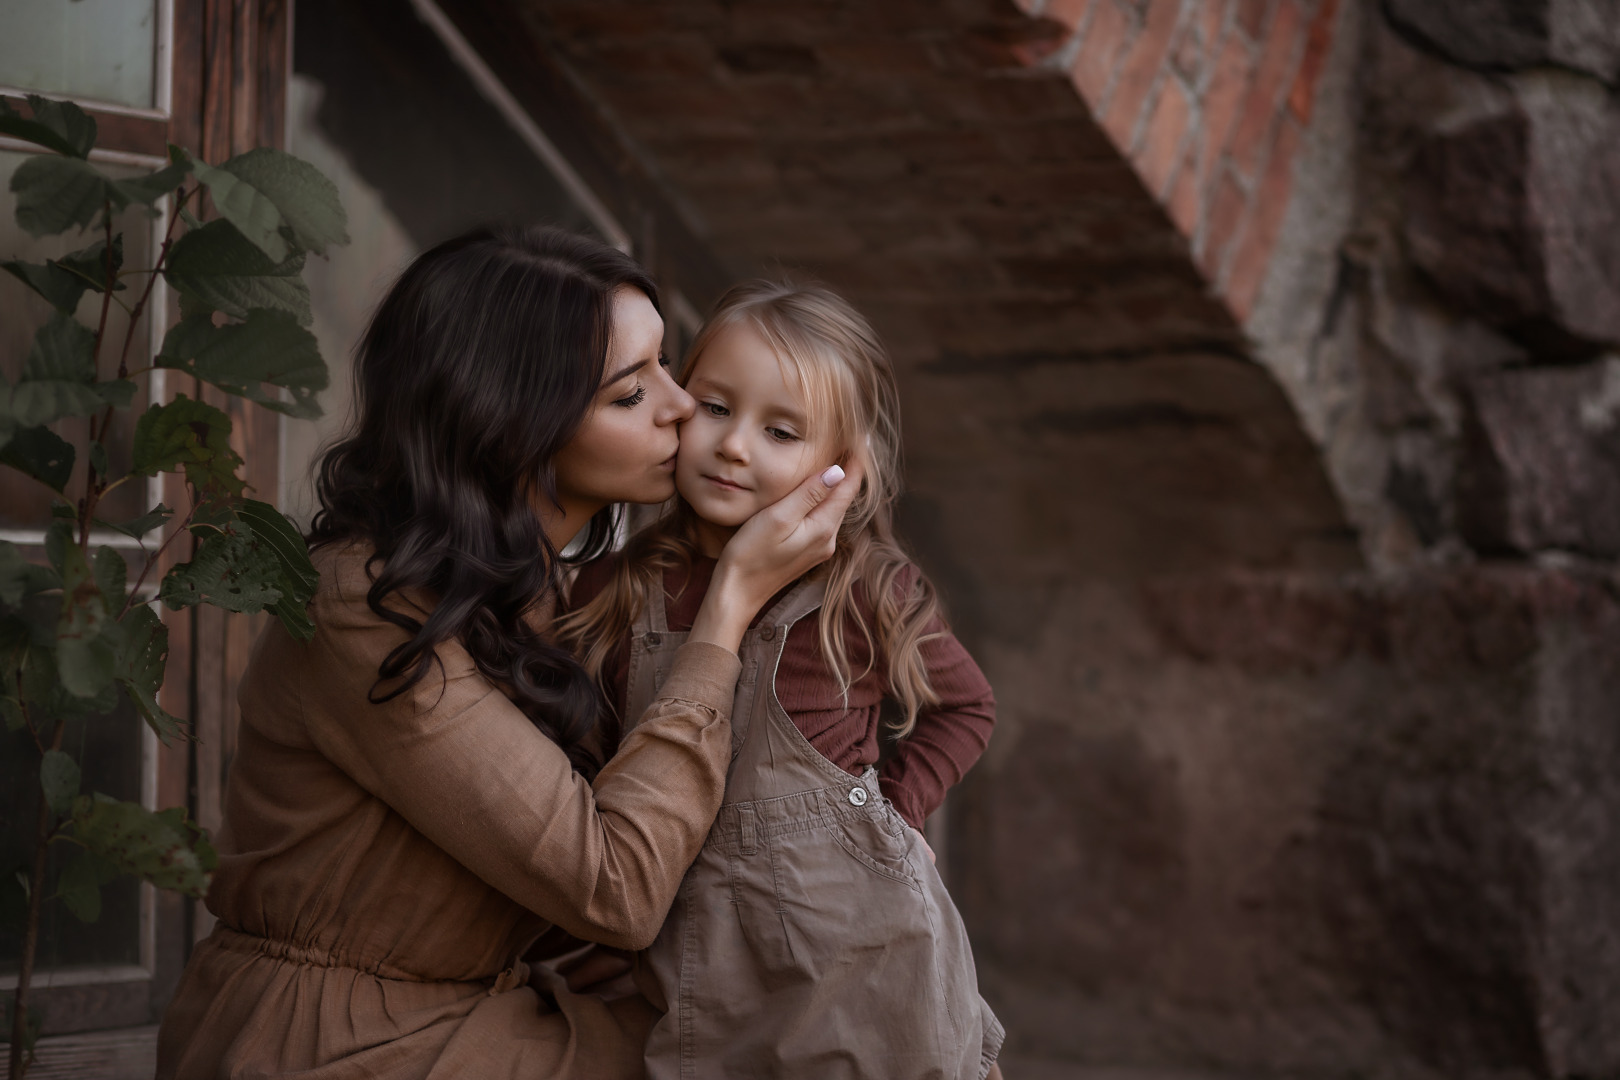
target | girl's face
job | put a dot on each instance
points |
(625, 449)
(750, 442)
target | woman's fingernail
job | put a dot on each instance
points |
(832, 476)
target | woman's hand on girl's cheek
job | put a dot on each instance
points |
(793, 535)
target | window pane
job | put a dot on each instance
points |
(109, 752)
(24, 503)
(98, 50)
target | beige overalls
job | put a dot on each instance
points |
(813, 937)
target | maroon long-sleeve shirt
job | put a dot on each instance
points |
(947, 740)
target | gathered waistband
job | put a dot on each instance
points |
(239, 941)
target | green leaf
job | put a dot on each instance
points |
(44, 690)
(41, 453)
(139, 527)
(56, 125)
(245, 206)
(20, 578)
(192, 435)
(58, 380)
(164, 848)
(148, 189)
(142, 653)
(275, 189)
(112, 575)
(218, 266)
(55, 194)
(270, 347)
(63, 349)
(58, 538)
(63, 281)
(84, 651)
(79, 889)
(299, 578)
(59, 780)
(233, 570)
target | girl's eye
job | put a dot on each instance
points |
(781, 434)
(633, 400)
(664, 361)
(716, 410)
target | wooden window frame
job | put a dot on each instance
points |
(221, 89)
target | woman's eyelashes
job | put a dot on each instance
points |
(634, 399)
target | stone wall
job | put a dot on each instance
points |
(1260, 424)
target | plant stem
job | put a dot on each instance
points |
(157, 269)
(93, 490)
(36, 897)
(153, 559)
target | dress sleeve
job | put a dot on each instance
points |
(949, 737)
(465, 767)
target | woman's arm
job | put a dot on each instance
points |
(466, 768)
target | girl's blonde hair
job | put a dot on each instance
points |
(848, 385)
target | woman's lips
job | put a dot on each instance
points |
(668, 464)
(724, 484)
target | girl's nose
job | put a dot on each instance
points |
(732, 446)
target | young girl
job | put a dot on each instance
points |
(813, 937)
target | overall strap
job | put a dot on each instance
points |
(800, 601)
(653, 617)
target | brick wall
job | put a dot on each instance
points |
(1209, 100)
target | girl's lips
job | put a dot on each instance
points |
(722, 482)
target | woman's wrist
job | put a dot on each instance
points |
(726, 611)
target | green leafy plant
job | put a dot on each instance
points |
(75, 634)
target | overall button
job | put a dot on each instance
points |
(768, 633)
(857, 796)
(653, 639)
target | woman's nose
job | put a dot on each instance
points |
(677, 406)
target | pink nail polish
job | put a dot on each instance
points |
(832, 476)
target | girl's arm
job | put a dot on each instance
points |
(949, 737)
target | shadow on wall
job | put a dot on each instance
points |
(418, 155)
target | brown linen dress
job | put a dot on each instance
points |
(384, 867)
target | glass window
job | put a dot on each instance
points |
(93, 50)
(24, 503)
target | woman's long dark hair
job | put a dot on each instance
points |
(477, 368)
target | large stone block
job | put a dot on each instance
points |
(1516, 217)
(1541, 463)
(1516, 34)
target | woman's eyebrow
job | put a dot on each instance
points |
(631, 370)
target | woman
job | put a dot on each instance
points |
(412, 801)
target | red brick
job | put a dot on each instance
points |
(1142, 66)
(1069, 12)
(1277, 61)
(1226, 209)
(1221, 101)
(1099, 52)
(1161, 142)
(1253, 255)
(1317, 45)
(1187, 198)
